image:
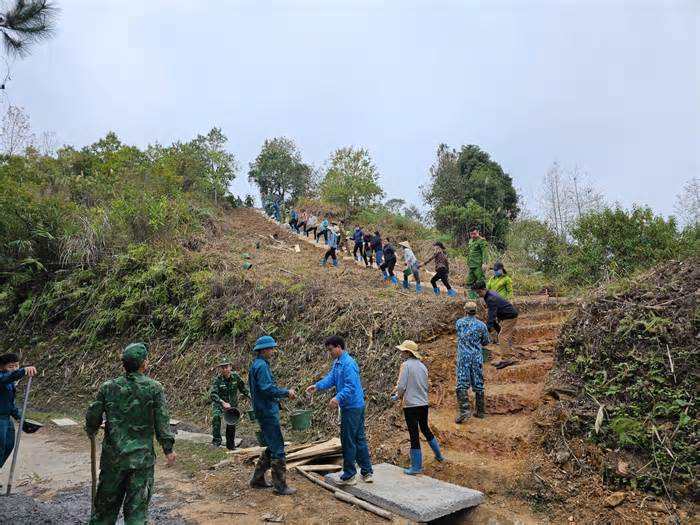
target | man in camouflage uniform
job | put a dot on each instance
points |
(472, 334)
(134, 409)
(224, 395)
(477, 259)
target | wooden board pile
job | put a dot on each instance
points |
(329, 452)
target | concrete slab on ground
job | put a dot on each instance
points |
(64, 422)
(418, 498)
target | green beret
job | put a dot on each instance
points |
(135, 353)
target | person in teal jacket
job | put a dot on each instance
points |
(265, 395)
(323, 230)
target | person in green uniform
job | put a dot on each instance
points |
(477, 259)
(135, 410)
(501, 283)
(224, 395)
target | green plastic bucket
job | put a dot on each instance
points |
(261, 439)
(485, 354)
(251, 415)
(300, 419)
(407, 273)
(247, 265)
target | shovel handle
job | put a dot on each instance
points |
(93, 470)
(19, 436)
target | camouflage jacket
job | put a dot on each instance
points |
(223, 389)
(135, 409)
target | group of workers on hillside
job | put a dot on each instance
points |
(368, 246)
(133, 410)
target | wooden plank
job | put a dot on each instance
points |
(331, 446)
(321, 468)
(348, 498)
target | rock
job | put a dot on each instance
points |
(562, 456)
(614, 499)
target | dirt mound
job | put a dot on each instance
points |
(631, 354)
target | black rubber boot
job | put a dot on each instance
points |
(258, 480)
(462, 405)
(279, 479)
(230, 437)
(479, 404)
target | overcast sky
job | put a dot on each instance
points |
(612, 86)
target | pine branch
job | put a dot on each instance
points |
(26, 23)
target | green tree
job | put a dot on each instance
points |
(468, 188)
(615, 242)
(395, 205)
(351, 180)
(279, 171)
(25, 23)
(535, 245)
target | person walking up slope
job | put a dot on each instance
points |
(412, 266)
(412, 388)
(472, 335)
(387, 267)
(358, 237)
(442, 269)
(332, 246)
(477, 259)
(350, 400)
(266, 395)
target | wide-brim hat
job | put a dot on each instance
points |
(405, 244)
(264, 342)
(410, 347)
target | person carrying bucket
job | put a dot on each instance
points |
(265, 395)
(10, 374)
(224, 396)
(412, 389)
(412, 266)
(332, 246)
(442, 269)
(350, 400)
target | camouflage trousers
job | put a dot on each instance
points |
(131, 487)
(216, 417)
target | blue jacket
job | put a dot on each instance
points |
(345, 377)
(294, 215)
(499, 308)
(8, 391)
(324, 225)
(332, 239)
(264, 393)
(358, 235)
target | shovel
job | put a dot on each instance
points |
(93, 469)
(19, 436)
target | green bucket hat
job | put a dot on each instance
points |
(135, 353)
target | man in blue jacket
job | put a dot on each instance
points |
(265, 395)
(358, 236)
(350, 400)
(332, 246)
(9, 373)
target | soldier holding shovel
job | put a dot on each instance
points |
(135, 410)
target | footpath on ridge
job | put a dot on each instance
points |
(491, 454)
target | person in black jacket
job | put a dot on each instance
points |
(376, 246)
(502, 317)
(389, 253)
(367, 253)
